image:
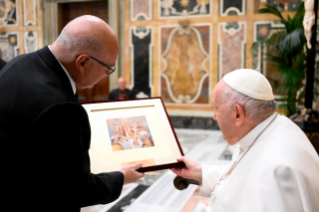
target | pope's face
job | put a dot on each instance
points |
(222, 115)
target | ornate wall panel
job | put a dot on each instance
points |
(9, 44)
(141, 10)
(8, 13)
(29, 12)
(281, 5)
(141, 48)
(184, 8)
(262, 30)
(23, 36)
(185, 64)
(232, 47)
(31, 41)
(232, 7)
(189, 56)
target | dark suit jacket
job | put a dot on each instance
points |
(45, 138)
(2, 63)
(115, 94)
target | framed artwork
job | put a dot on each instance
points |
(126, 132)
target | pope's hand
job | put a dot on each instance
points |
(192, 170)
(130, 173)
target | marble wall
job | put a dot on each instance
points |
(20, 27)
(180, 49)
(185, 63)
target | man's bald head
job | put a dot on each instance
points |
(87, 47)
(87, 34)
(121, 83)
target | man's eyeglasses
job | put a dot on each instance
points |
(112, 69)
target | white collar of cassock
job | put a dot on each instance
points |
(249, 138)
(66, 72)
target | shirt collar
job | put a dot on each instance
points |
(249, 138)
(67, 73)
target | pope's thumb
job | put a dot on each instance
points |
(137, 166)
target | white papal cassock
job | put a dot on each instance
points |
(280, 172)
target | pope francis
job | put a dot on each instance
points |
(274, 167)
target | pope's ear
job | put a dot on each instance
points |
(240, 115)
(82, 62)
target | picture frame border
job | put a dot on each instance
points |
(156, 167)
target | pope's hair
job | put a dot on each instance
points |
(257, 110)
(78, 44)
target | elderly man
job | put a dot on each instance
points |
(274, 168)
(45, 132)
(121, 92)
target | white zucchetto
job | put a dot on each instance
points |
(250, 83)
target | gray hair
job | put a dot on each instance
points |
(78, 44)
(257, 110)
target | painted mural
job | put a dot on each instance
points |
(8, 13)
(185, 64)
(184, 8)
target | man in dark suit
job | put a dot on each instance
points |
(121, 92)
(45, 132)
(2, 62)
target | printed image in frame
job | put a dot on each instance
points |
(129, 133)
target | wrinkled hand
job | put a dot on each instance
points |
(130, 173)
(192, 169)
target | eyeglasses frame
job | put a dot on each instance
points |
(108, 67)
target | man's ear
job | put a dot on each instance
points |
(82, 62)
(240, 115)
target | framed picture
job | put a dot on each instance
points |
(126, 132)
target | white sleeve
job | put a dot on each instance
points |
(210, 176)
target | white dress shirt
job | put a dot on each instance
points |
(279, 173)
(67, 74)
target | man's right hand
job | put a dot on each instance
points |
(192, 169)
(130, 173)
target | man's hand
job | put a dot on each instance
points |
(130, 173)
(192, 169)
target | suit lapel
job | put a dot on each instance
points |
(54, 65)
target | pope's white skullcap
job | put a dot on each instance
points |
(250, 83)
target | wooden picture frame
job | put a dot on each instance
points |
(125, 132)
